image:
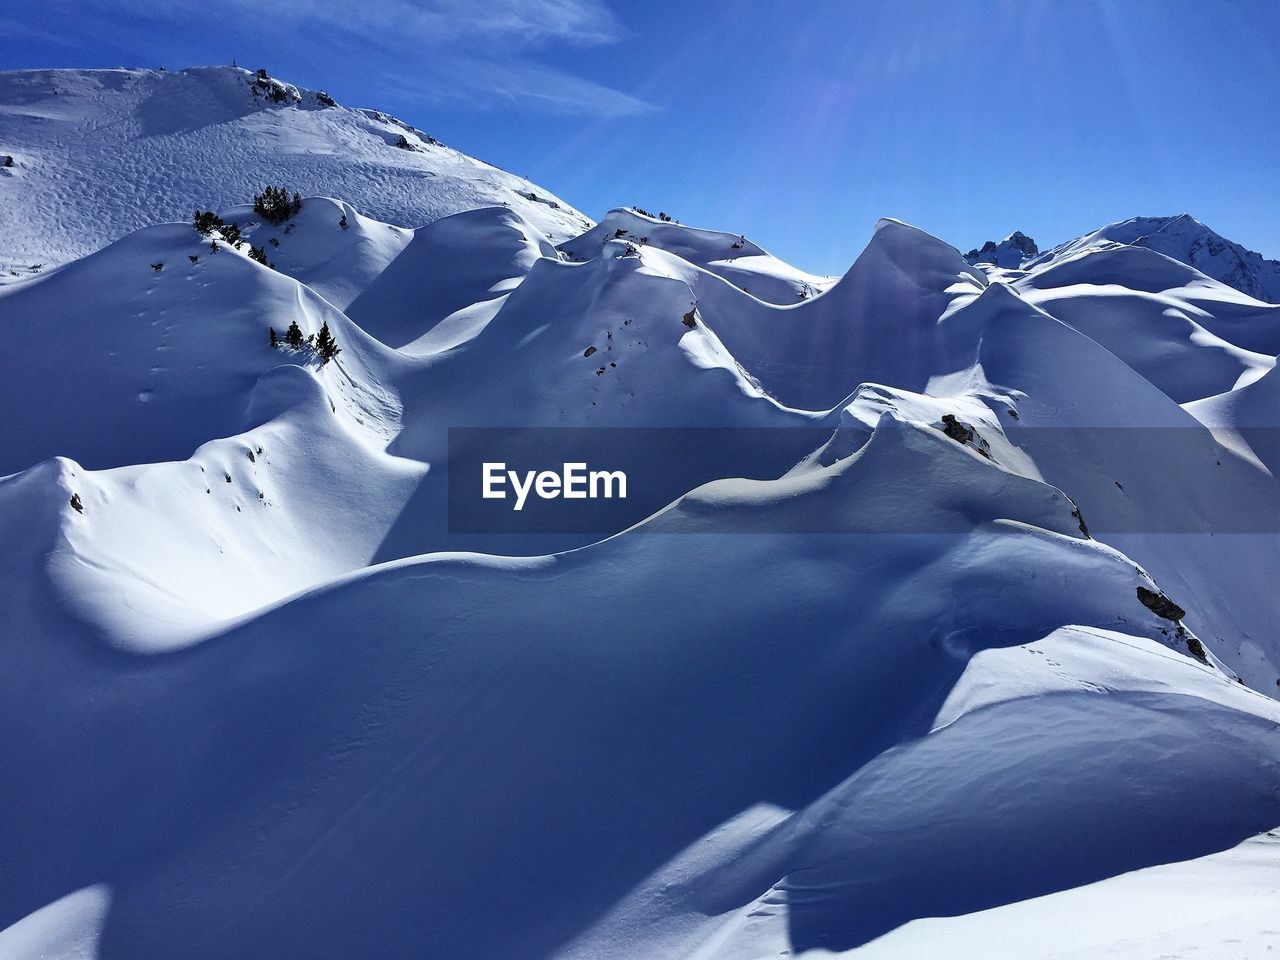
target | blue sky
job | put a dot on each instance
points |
(797, 123)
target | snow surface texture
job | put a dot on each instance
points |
(980, 671)
(98, 153)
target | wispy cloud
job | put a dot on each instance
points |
(495, 52)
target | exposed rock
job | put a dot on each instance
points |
(1010, 253)
(1161, 606)
(962, 433)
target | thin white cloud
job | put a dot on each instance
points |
(515, 23)
(485, 53)
(520, 80)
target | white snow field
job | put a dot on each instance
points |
(953, 633)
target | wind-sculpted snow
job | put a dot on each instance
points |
(483, 756)
(450, 279)
(941, 598)
(735, 258)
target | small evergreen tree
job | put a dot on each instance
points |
(293, 335)
(206, 221)
(274, 204)
(258, 253)
(231, 234)
(326, 346)
(275, 341)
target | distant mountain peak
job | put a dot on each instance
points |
(1008, 253)
(1183, 238)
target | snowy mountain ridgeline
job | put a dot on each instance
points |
(1182, 238)
(938, 619)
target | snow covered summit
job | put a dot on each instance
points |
(98, 153)
(1009, 253)
(1182, 238)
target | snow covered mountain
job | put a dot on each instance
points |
(938, 619)
(1009, 253)
(1183, 238)
(99, 153)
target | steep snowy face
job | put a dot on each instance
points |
(1187, 240)
(450, 279)
(883, 322)
(98, 153)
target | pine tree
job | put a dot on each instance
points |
(326, 346)
(275, 341)
(274, 204)
(258, 253)
(293, 336)
(206, 221)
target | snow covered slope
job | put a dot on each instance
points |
(479, 756)
(939, 611)
(1189, 336)
(737, 259)
(98, 153)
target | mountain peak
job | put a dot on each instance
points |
(1009, 253)
(1183, 238)
(140, 146)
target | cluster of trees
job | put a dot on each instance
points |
(323, 343)
(274, 204)
(207, 223)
